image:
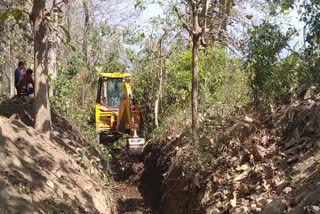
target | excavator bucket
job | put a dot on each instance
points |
(135, 145)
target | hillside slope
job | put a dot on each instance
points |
(38, 175)
(248, 162)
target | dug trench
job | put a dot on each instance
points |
(249, 162)
(134, 191)
(141, 186)
(68, 174)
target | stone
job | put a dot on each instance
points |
(16, 162)
(58, 174)
(253, 206)
(315, 208)
(50, 184)
(287, 190)
(219, 204)
(238, 210)
(60, 193)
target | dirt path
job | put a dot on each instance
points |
(131, 193)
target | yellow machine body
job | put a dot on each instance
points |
(115, 109)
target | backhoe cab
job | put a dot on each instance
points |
(116, 112)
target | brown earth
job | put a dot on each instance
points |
(248, 162)
(132, 192)
(63, 174)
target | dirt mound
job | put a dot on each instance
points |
(39, 175)
(248, 162)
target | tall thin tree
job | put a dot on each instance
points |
(204, 20)
(86, 29)
(160, 76)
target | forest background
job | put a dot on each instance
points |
(253, 53)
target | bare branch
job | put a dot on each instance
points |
(205, 17)
(184, 24)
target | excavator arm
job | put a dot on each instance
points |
(129, 119)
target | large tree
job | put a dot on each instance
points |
(40, 19)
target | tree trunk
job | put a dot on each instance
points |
(42, 105)
(68, 15)
(195, 77)
(52, 49)
(86, 29)
(52, 64)
(197, 32)
(11, 83)
(159, 93)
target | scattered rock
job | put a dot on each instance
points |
(287, 190)
(50, 184)
(16, 161)
(219, 204)
(60, 193)
(253, 206)
(248, 119)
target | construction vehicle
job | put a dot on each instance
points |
(116, 112)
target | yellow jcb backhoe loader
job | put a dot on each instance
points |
(116, 112)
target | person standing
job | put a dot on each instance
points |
(18, 74)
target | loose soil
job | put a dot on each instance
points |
(63, 174)
(132, 193)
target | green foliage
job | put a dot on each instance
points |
(267, 80)
(75, 65)
(310, 16)
(113, 148)
(221, 81)
(140, 5)
(175, 121)
(74, 95)
(67, 33)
